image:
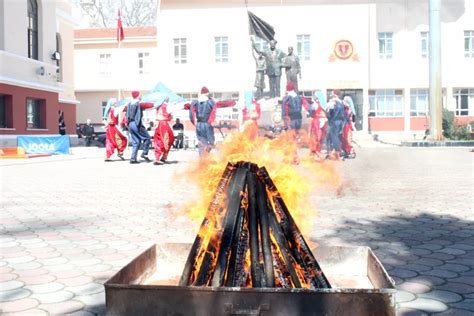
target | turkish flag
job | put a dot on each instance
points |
(120, 34)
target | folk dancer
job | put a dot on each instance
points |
(346, 139)
(163, 138)
(136, 129)
(250, 115)
(335, 112)
(318, 127)
(202, 114)
(291, 107)
(114, 137)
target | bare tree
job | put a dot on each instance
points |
(103, 13)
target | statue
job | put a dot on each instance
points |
(293, 68)
(274, 58)
(261, 66)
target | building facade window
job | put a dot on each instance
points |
(33, 113)
(385, 45)
(386, 102)
(3, 112)
(221, 49)
(32, 29)
(59, 71)
(144, 63)
(105, 64)
(261, 44)
(419, 102)
(225, 95)
(464, 101)
(424, 44)
(180, 51)
(469, 44)
(303, 46)
(188, 96)
(103, 106)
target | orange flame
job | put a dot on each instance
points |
(295, 182)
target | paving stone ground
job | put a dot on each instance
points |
(68, 223)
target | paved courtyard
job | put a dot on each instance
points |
(68, 223)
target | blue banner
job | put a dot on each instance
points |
(44, 144)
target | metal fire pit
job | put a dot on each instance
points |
(148, 286)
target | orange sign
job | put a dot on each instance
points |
(343, 50)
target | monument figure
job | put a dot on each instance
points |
(274, 59)
(292, 68)
(260, 67)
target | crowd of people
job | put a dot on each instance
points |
(330, 128)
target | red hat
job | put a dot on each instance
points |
(204, 90)
(135, 94)
(290, 86)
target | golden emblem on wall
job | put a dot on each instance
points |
(344, 50)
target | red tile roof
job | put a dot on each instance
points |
(112, 32)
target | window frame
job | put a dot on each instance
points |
(417, 97)
(425, 51)
(221, 49)
(144, 60)
(385, 40)
(468, 93)
(469, 44)
(260, 44)
(105, 60)
(32, 29)
(3, 112)
(386, 103)
(34, 113)
(180, 45)
(303, 41)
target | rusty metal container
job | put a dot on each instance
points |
(148, 286)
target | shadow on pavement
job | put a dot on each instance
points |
(431, 258)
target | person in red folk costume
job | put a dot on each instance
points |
(346, 137)
(318, 127)
(250, 115)
(114, 137)
(163, 138)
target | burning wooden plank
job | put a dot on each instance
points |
(249, 231)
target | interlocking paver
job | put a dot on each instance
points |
(53, 297)
(467, 304)
(45, 288)
(10, 285)
(18, 305)
(427, 305)
(444, 296)
(413, 287)
(37, 279)
(13, 295)
(404, 210)
(62, 308)
(403, 296)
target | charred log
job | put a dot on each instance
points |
(230, 221)
(213, 207)
(263, 211)
(253, 231)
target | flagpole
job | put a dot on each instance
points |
(119, 39)
(118, 92)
